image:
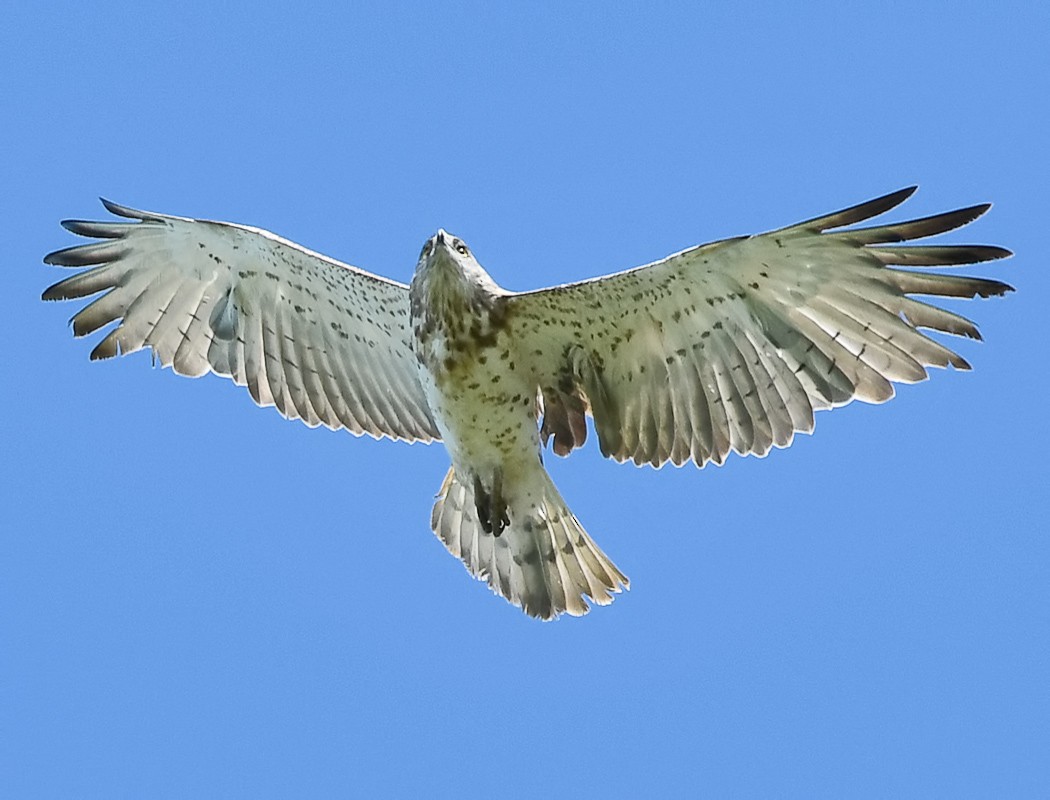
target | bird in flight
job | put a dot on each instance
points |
(726, 346)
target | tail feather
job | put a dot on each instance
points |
(544, 562)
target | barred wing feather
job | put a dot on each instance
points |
(322, 341)
(731, 346)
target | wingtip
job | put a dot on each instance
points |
(894, 199)
(859, 212)
(906, 193)
(118, 210)
(970, 213)
(996, 289)
(887, 202)
(133, 213)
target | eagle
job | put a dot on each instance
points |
(723, 347)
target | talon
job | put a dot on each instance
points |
(498, 506)
(483, 504)
(500, 520)
(491, 506)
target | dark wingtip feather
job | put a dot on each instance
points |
(886, 201)
(119, 210)
(109, 347)
(97, 230)
(85, 255)
(989, 252)
(955, 219)
(949, 255)
(77, 226)
(66, 257)
(129, 213)
(51, 293)
(980, 209)
(859, 212)
(991, 288)
(916, 228)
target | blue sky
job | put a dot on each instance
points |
(198, 598)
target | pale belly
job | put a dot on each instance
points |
(485, 409)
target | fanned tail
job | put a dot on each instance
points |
(543, 562)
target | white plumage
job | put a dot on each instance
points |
(729, 346)
(322, 341)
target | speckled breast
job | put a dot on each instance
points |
(480, 398)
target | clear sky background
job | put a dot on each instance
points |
(199, 598)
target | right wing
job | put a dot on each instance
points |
(322, 341)
(733, 345)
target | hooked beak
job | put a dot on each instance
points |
(439, 247)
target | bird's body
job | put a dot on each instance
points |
(729, 346)
(484, 403)
(483, 406)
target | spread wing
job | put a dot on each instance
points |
(733, 345)
(322, 341)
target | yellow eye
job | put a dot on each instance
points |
(461, 249)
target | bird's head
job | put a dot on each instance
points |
(449, 256)
(444, 248)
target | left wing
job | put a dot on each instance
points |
(732, 345)
(322, 341)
